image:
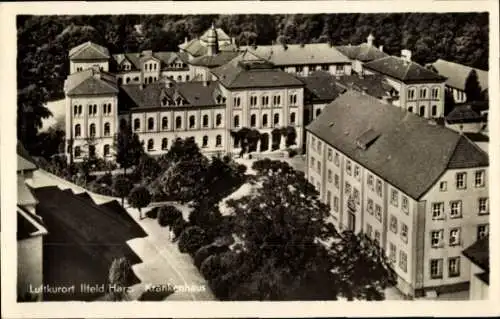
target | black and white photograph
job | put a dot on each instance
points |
(324, 156)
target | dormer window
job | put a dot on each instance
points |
(164, 101)
(179, 101)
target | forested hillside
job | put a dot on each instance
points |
(43, 41)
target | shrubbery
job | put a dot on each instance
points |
(168, 215)
(153, 213)
(191, 239)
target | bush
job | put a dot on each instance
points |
(178, 226)
(210, 267)
(105, 179)
(168, 215)
(153, 214)
(191, 239)
(206, 251)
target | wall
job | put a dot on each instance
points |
(466, 127)
(30, 264)
(151, 74)
(177, 75)
(74, 65)
(478, 290)
(132, 77)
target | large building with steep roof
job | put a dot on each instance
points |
(362, 53)
(418, 189)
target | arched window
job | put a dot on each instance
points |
(107, 129)
(151, 144)
(276, 119)
(78, 130)
(264, 120)
(137, 124)
(179, 78)
(265, 100)
(151, 124)
(164, 123)
(423, 93)
(75, 110)
(205, 120)
(410, 109)
(80, 109)
(109, 108)
(128, 80)
(179, 101)
(218, 119)
(253, 120)
(178, 122)
(205, 141)
(90, 109)
(92, 130)
(164, 143)
(411, 93)
(292, 118)
(218, 140)
(422, 111)
(187, 78)
(435, 93)
(91, 150)
(106, 150)
(95, 109)
(192, 121)
(434, 110)
(236, 121)
(78, 151)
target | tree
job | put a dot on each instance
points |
(472, 87)
(128, 148)
(147, 168)
(122, 187)
(167, 215)
(139, 198)
(191, 239)
(118, 279)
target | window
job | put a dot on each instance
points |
(164, 143)
(422, 111)
(292, 118)
(79, 110)
(437, 210)
(379, 188)
(151, 144)
(300, 69)
(151, 124)
(434, 110)
(78, 130)
(337, 181)
(92, 130)
(319, 147)
(236, 121)
(253, 101)
(411, 94)
(482, 231)
(276, 119)
(205, 141)
(237, 101)
(423, 93)
(392, 252)
(329, 199)
(218, 141)
(187, 78)
(456, 209)
(403, 261)
(330, 176)
(455, 236)
(319, 167)
(394, 197)
(192, 121)
(435, 93)
(91, 150)
(324, 67)
(205, 120)
(318, 112)
(479, 179)
(276, 100)
(264, 120)
(404, 204)
(377, 236)
(461, 180)
(339, 69)
(442, 186)
(107, 129)
(218, 120)
(355, 194)
(313, 162)
(347, 188)
(369, 230)
(336, 160)
(370, 181)
(410, 109)
(404, 232)
(348, 167)
(293, 99)
(106, 150)
(78, 151)
(253, 120)
(437, 238)
(178, 122)
(436, 268)
(330, 155)
(394, 224)
(369, 206)
(357, 172)
(483, 206)
(336, 204)
(137, 124)
(265, 100)
(378, 212)
(454, 267)
(164, 123)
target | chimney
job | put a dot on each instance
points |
(147, 53)
(381, 48)
(233, 40)
(185, 39)
(406, 55)
(370, 39)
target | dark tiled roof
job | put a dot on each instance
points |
(213, 61)
(193, 93)
(166, 58)
(321, 86)
(89, 51)
(477, 137)
(221, 35)
(464, 113)
(457, 74)
(91, 81)
(249, 71)
(196, 48)
(362, 52)
(405, 71)
(373, 84)
(479, 253)
(396, 155)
